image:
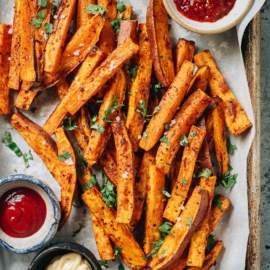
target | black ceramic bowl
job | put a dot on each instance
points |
(43, 258)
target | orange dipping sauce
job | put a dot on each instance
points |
(22, 212)
(204, 10)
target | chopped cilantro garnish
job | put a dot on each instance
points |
(218, 202)
(120, 6)
(117, 251)
(95, 9)
(38, 20)
(132, 72)
(42, 3)
(113, 106)
(166, 193)
(68, 124)
(64, 156)
(98, 128)
(121, 267)
(91, 182)
(210, 243)
(189, 223)
(165, 140)
(184, 181)
(109, 195)
(156, 246)
(204, 173)
(48, 28)
(116, 25)
(184, 140)
(230, 147)
(166, 126)
(78, 230)
(228, 180)
(192, 134)
(165, 229)
(103, 263)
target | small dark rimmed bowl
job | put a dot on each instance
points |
(45, 234)
(44, 257)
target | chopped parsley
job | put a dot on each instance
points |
(38, 20)
(166, 193)
(132, 72)
(109, 195)
(103, 263)
(68, 124)
(156, 246)
(156, 86)
(184, 140)
(228, 180)
(193, 134)
(143, 110)
(113, 106)
(26, 158)
(165, 140)
(95, 9)
(121, 267)
(210, 243)
(116, 24)
(80, 161)
(117, 251)
(218, 202)
(98, 128)
(120, 6)
(64, 156)
(78, 230)
(204, 173)
(42, 3)
(230, 147)
(91, 182)
(166, 126)
(48, 28)
(165, 229)
(184, 181)
(189, 223)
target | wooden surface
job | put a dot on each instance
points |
(251, 54)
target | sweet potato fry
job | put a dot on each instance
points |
(127, 12)
(82, 16)
(168, 106)
(5, 43)
(154, 207)
(198, 243)
(125, 170)
(110, 5)
(104, 246)
(184, 50)
(40, 141)
(67, 165)
(180, 263)
(158, 33)
(114, 97)
(57, 39)
(128, 28)
(109, 166)
(210, 129)
(91, 62)
(139, 90)
(219, 138)
(199, 80)
(14, 68)
(118, 232)
(183, 182)
(190, 111)
(176, 242)
(141, 186)
(100, 76)
(219, 206)
(62, 87)
(235, 117)
(210, 258)
(28, 10)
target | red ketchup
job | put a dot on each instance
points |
(22, 212)
(204, 10)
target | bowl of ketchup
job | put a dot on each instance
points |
(207, 16)
(29, 213)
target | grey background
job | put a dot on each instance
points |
(265, 138)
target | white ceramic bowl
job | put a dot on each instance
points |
(237, 13)
(42, 237)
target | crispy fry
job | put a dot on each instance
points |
(180, 263)
(183, 182)
(91, 62)
(141, 186)
(154, 207)
(168, 106)
(14, 68)
(128, 29)
(184, 50)
(158, 33)
(109, 166)
(98, 138)
(198, 243)
(28, 11)
(62, 87)
(40, 141)
(127, 12)
(185, 118)
(57, 39)
(82, 16)
(68, 170)
(210, 129)
(199, 80)
(110, 5)
(102, 239)
(5, 43)
(100, 76)
(176, 242)
(235, 117)
(139, 90)
(216, 213)
(219, 137)
(25, 96)
(125, 170)
(210, 258)
(118, 233)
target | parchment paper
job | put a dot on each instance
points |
(233, 229)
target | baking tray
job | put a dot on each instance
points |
(251, 54)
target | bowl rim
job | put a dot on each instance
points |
(67, 246)
(207, 31)
(56, 209)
